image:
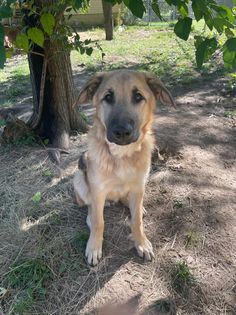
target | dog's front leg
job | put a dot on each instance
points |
(95, 221)
(142, 244)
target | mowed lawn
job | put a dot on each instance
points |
(189, 198)
(152, 48)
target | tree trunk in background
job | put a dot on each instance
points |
(108, 19)
(54, 116)
(63, 117)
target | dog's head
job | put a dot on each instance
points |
(125, 102)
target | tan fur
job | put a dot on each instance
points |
(116, 172)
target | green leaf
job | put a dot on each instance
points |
(1, 35)
(87, 41)
(197, 9)
(229, 33)
(183, 27)
(46, 141)
(22, 42)
(79, 4)
(37, 197)
(229, 58)
(229, 53)
(205, 48)
(156, 9)
(172, 2)
(208, 19)
(230, 44)
(136, 7)
(183, 9)
(5, 9)
(2, 48)
(82, 50)
(3, 122)
(220, 23)
(48, 22)
(36, 35)
(200, 54)
(115, 1)
(9, 52)
(89, 51)
(224, 12)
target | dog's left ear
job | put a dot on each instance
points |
(159, 90)
(89, 89)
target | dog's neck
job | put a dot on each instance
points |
(120, 151)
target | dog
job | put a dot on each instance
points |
(120, 144)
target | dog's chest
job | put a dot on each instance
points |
(122, 181)
(125, 173)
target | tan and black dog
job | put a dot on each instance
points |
(120, 145)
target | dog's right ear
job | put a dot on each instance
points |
(159, 90)
(89, 89)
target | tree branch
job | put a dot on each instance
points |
(35, 118)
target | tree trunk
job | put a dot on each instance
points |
(108, 19)
(54, 114)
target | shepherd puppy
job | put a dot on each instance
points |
(120, 143)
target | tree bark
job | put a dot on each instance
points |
(108, 19)
(54, 95)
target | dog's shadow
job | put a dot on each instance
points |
(119, 257)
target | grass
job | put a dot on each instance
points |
(192, 238)
(2, 122)
(155, 48)
(165, 306)
(230, 113)
(80, 239)
(47, 173)
(14, 83)
(178, 204)
(29, 280)
(28, 140)
(232, 83)
(181, 278)
(37, 197)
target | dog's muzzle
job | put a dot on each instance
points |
(122, 133)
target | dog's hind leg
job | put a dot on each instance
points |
(82, 193)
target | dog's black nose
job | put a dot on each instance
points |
(122, 134)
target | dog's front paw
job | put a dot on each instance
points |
(144, 248)
(93, 251)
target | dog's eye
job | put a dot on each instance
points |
(109, 98)
(137, 97)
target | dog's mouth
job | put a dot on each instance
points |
(122, 137)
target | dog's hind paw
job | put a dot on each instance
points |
(144, 249)
(93, 252)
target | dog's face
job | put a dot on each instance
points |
(125, 102)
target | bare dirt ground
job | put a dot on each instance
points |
(191, 218)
